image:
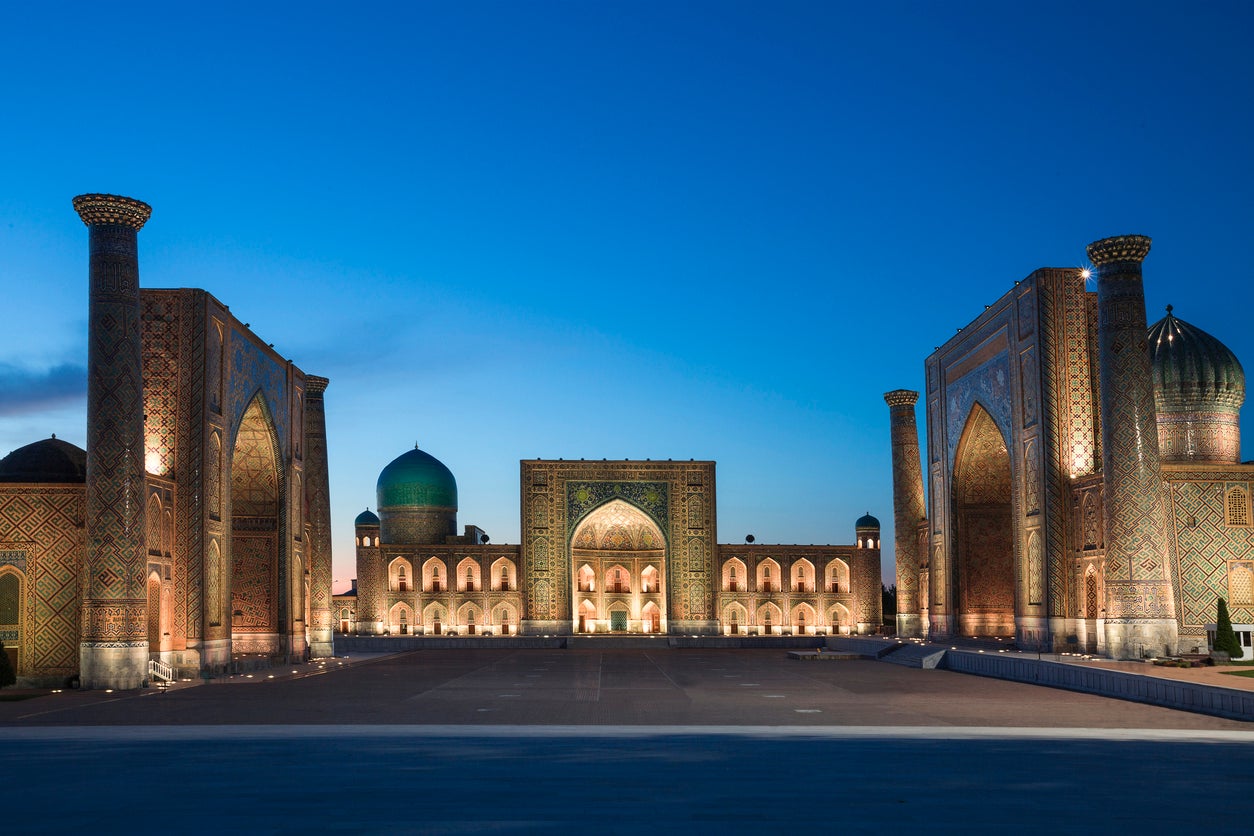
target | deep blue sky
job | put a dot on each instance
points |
(710, 230)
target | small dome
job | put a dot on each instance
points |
(51, 460)
(1192, 370)
(416, 480)
(867, 521)
(366, 517)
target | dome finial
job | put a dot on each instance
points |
(1169, 309)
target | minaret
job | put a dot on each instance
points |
(1140, 608)
(371, 583)
(908, 509)
(318, 503)
(114, 648)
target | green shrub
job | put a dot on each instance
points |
(1225, 637)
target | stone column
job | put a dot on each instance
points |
(318, 503)
(114, 649)
(1140, 607)
(908, 509)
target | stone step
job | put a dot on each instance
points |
(917, 656)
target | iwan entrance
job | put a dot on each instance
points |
(619, 561)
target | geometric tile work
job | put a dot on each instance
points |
(987, 385)
(161, 383)
(677, 496)
(45, 524)
(318, 496)
(618, 526)
(1204, 548)
(1134, 502)
(255, 510)
(254, 471)
(908, 502)
(254, 583)
(114, 613)
(252, 367)
(1067, 402)
(984, 536)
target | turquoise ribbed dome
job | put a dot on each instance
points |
(1192, 370)
(867, 521)
(366, 517)
(416, 480)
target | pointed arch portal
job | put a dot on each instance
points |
(255, 544)
(984, 564)
(619, 565)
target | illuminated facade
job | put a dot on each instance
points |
(608, 547)
(1086, 491)
(195, 527)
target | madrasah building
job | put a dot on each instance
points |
(194, 530)
(608, 547)
(193, 534)
(1085, 484)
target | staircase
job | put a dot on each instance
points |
(160, 672)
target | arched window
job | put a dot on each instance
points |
(1237, 506)
(470, 579)
(402, 583)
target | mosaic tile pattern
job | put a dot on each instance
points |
(908, 502)
(1135, 519)
(1206, 546)
(44, 542)
(677, 496)
(318, 502)
(114, 612)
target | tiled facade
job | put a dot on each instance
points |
(212, 560)
(612, 547)
(1049, 519)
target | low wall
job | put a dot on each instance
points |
(399, 644)
(1169, 693)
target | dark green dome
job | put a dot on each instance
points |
(1192, 370)
(416, 480)
(366, 517)
(50, 461)
(867, 521)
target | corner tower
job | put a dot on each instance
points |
(113, 652)
(1140, 605)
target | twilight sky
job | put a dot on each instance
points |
(713, 230)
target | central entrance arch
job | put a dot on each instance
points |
(618, 570)
(256, 579)
(984, 565)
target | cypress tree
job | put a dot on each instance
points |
(1225, 637)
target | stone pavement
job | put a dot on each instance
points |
(698, 687)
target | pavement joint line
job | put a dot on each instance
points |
(449, 682)
(302, 731)
(660, 670)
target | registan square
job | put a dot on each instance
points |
(632, 417)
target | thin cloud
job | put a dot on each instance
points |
(25, 390)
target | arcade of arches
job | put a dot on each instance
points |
(613, 547)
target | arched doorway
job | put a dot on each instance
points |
(256, 582)
(619, 561)
(11, 594)
(983, 568)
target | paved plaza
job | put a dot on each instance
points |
(528, 741)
